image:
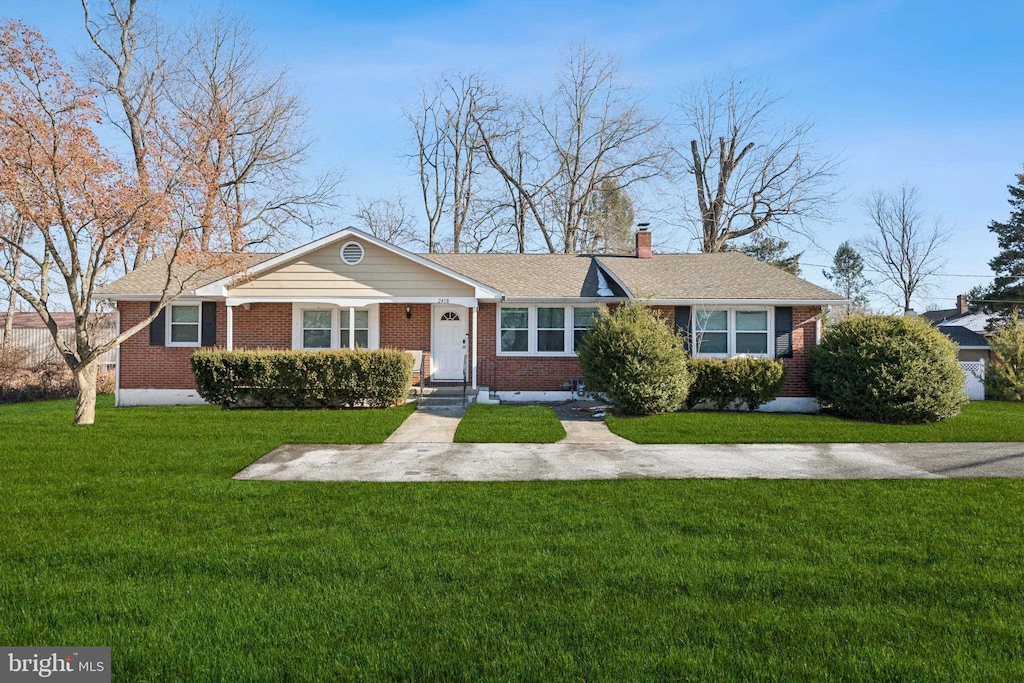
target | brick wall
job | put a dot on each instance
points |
(156, 367)
(269, 325)
(263, 326)
(407, 334)
(804, 337)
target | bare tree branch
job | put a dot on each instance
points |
(748, 173)
(902, 249)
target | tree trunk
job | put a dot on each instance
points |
(9, 322)
(85, 409)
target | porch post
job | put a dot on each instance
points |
(476, 315)
(351, 327)
(230, 332)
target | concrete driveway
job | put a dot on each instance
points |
(413, 462)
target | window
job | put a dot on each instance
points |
(515, 330)
(728, 332)
(550, 330)
(316, 329)
(324, 326)
(184, 325)
(361, 329)
(543, 330)
(712, 332)
(752, 332)
(582, 320)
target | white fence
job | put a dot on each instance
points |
(974, 373)
(40, 346)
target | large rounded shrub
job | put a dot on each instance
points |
(632, 356)
(887, 369)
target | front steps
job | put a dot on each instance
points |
(442, 398)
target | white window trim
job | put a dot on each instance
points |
(168, 324)
(298, 308)
(572, 325)
(531, 351)
(731, 322)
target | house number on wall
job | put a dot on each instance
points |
(443, 301)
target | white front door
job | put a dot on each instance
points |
(448, 349)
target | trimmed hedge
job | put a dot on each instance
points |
(887, 369)
(376, 379)
(724, 382)
(632, 357)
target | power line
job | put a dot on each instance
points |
(882, 272)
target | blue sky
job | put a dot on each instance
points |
(927, 92)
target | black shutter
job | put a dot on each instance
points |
(783, 332)
(209, 323)
(683, 325)
(156, 328)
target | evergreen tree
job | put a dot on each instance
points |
(770, 250)
(608, 224)
(847, 274)
(1007, 292)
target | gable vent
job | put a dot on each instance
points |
(352, 253)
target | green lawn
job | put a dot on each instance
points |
(509, 424)
(132, 534)
(980, 421)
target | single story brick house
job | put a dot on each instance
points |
(505, 322)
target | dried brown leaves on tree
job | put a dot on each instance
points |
(746, 171)
(77, 208)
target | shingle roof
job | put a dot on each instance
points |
(941, 315)
(64, 320)
(544, 276)
(528, 275)
(726, 275)
(963, 336)
(149, 279)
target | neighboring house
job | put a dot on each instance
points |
(968, 331)
(29, 333)
(507, 322)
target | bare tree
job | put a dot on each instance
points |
(14, 232)
(130, 65)
(748, 172)
(200, 104)
(446, 155)
(243, 132)
(388, 219)
(903, 249)
(591, 130)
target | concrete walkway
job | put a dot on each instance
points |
(438, 425)
(423, 461)
(582, 427)
(428, 426)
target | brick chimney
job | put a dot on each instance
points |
(643, 243)
(961, 304)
